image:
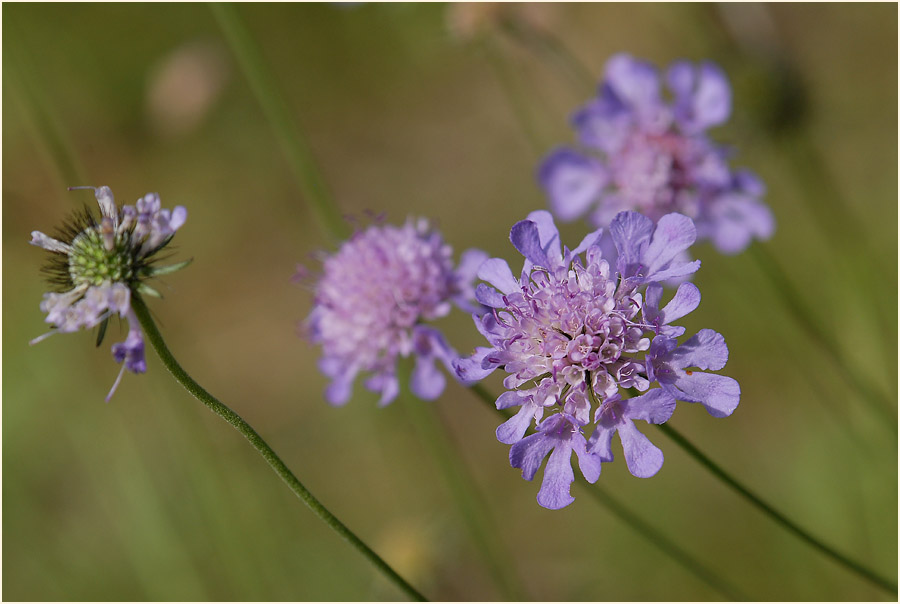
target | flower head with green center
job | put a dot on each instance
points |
(97, 265)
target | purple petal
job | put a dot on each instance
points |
(572, 182)
(524, 236)
(634, 82)
(341, 387)
(737, 219)
(179, 216)
(655, 407)
(604, 123)
(702, 95)
(471, 369)
(487, 295)
(631, 233)
(718, 393)
(705, 350)
(548, 234)
(49, 243)
(496, 272)
(427, 382)
(107, 203)
(512, 398)
(558, 478)
(600, 443)
(685, 301)
(529, 453)
(512, 430)
(644, 459)
(588, 463)
(469, 263)
(674, 233)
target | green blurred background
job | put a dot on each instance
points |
(152, 497)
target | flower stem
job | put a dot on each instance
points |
(804, 317)
(774, 514)
(667, 546)
(295, 147)
(223, 411)
(468, 499)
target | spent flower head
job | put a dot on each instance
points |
(98, 264)
(373, 302)
(642, 152)
(577, 336)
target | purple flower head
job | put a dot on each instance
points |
(98, 263)
(574, 334)
(372, 304)
(642, 152)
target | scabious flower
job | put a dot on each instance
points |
(575, 336)
(641, 152)
(97, 266)
(372, 304)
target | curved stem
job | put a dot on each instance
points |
(803, 315)
(223, 411)
(296, 149)
(471, 505)
(666, 545)
(774, 514)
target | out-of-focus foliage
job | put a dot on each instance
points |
(151, 497)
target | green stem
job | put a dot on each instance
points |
(774, 514)
(667, 546)
(181, 376)
(469, 501)
(803, 316)
(296, 149)
(545, 43)
(517, 104)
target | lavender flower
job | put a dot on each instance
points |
(575, 335)
(653, 156)
(373, 300)
(96, 266)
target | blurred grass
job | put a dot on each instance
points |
(150, 497)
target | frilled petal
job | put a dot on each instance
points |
(549, 236)
(644, 459)
(718, 393)
(572, 182)
(339, 390)
(706, 350)
(529, 453)
(49, 243)
(558, 478)
(634, 82)
(107, 203)
(631, 232)
(604, 123)
(524, 236)
(385, 383)
(497, 272)
(512, 430)
(600, 442)
(736, 220)
(487, 295)
(472, 369)
(674, 233)
(685, 301)
(512, 398)
(655, 407)
(702, 95)
(588, 463)
(427, 382)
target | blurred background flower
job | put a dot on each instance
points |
(100, 501)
